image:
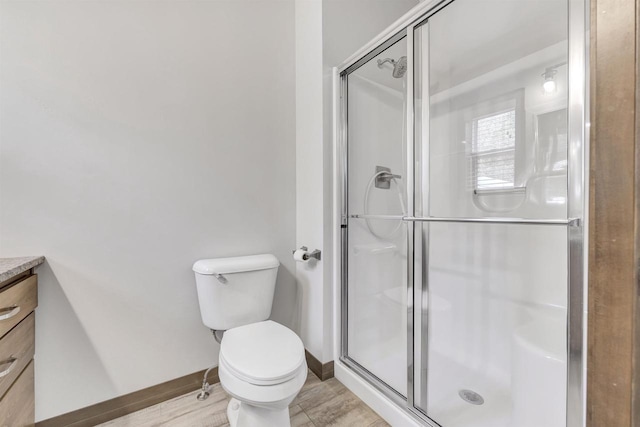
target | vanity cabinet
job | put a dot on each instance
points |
(18, 300)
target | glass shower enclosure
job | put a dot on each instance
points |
(461, 146)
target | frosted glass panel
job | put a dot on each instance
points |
(377, 128)
(494, 75)
(377, 249)
(496, 320)
(491, 130)
(378, 300)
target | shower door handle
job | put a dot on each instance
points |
(571, 222)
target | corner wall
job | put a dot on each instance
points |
(310, 164)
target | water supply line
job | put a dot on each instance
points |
(206, 387)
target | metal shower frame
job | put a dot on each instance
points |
(577, 191)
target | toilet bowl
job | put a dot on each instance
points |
(262, 366)
(262, 363)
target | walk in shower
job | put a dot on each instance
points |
(461, 160)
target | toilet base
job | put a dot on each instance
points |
(245, 415)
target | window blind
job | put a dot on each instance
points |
(492, 157)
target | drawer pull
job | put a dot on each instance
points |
(11, 362)
(9, 312)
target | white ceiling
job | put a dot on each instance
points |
(472, 37)
(469, 38)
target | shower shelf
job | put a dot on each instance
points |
(511, 190)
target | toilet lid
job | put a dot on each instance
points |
(263, 352)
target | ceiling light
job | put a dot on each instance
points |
(549, 85)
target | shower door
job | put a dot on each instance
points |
(493, 177)
(462, 215)
(376, 298)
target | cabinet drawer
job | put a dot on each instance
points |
(17, 408)
(16, 302)
(16, 351)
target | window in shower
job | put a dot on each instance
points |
(494, 136)
(493, 151)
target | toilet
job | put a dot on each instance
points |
(262, 363)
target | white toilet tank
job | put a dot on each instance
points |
(235, 291)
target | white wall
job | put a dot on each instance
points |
(310, 216)
(137, 137)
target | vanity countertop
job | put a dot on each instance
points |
(10, 267)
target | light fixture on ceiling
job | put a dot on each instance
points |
(549, 84)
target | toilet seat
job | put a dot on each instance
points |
(263, 353)
(277, 396)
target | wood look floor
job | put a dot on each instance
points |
(319, 404)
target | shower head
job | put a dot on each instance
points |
(399, 66)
